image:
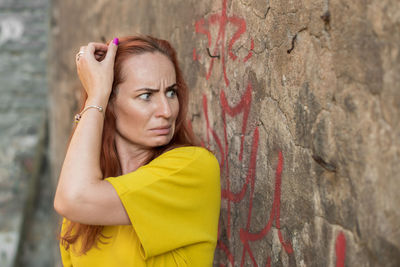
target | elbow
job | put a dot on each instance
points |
(58, 208)
(60, 205)
(64, 205)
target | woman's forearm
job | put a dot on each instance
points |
(81, 173)
(81, 167)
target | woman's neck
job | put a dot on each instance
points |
(131, 156)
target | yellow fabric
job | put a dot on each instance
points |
(173, 204)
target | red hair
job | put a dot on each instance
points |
(109, 162)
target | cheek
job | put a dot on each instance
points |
(176, 109)
(129, 115)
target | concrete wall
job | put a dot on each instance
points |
(300, 101)
(25, 194)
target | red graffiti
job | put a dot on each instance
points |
(340, 247)
(221, 20)
(243, 107)
(268, 262)
(195, 56)
(246, 236)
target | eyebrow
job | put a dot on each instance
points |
(155, 90)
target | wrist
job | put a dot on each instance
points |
(87, 107)
(97, 101)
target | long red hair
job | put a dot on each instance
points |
(129, 46)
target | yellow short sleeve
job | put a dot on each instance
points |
(65, 256)
(173, 201)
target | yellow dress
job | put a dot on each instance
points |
(173, 204)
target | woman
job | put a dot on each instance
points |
(134, 190)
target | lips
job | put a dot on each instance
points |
(163, 130)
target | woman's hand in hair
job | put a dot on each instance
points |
(96, 71)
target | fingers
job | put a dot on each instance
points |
(98, 51)
(112, 50)
(79, 55)
(93, 47)
(99, 55)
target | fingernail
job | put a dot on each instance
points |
(115, 41)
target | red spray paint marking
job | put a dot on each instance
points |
(268, 262)
(225, 249)
(244, 107)
(199, 26)
(202, 26)
(340, 247)
(245, 234)
(194, 57)
(214, 134)
(251, 51)
(222, 154)
(226, 193)
(222, 20)
(205, 110)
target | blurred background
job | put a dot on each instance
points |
(299, 100)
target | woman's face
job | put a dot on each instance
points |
(146, 105)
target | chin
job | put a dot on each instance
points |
(161, 140)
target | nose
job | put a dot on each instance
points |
(164, 108)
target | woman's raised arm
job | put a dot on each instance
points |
(82, 196)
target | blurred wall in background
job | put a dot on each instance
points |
(300, 100)
(27, 230)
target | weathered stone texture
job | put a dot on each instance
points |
(23, 107)
(300, 100)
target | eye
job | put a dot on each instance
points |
(171, 93)
(145, 96)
